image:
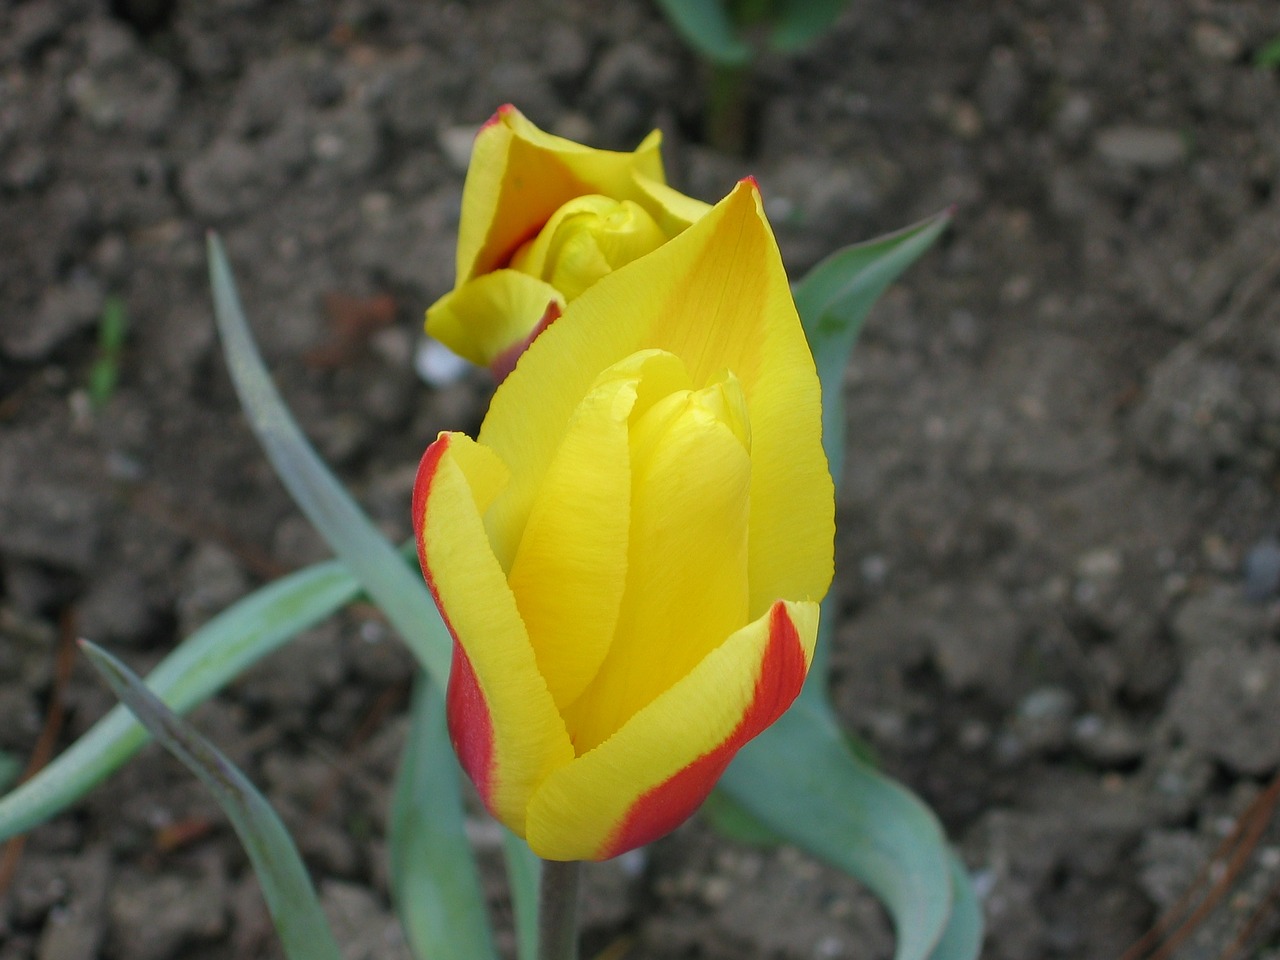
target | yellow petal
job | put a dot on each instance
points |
(655, 771)
(527, 737)
(674, 211)
(488, 316)
(717, 297)
(570, 567)
(586, 244)
(686, 583)
(520, 175)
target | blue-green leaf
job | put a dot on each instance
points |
(433, 872)
(797, 23)
(291, 899)
(10, 768)
(708, 27)
(729, 819)
(801, 780)
(1268, 55)
(524, 877)
(962, 939)
(397, 590)
(833, 300)
(220, 650)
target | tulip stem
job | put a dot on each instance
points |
(558, 910)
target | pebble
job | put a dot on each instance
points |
(1227, 706)
(437, 365)
(1215, 618)
(1107, 742)
(1194, 415)
(1262, 571)
(1142, 148)
(1215, 43)
(1043, 719)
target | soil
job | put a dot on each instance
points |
(1060, 572)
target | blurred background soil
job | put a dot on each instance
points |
(1058, 555)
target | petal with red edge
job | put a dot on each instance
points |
(521, 738)
(654, 772)
(486, 317)
(520, 175)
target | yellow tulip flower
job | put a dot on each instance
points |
(543, 218)
(631, 554)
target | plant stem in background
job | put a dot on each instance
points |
(558, 910)
(105, 371)
(726, 119)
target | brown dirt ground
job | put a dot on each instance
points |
(1058, 519)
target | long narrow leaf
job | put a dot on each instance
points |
(407, 604)
(10, 768)
(524, 876)
(833, 300)
(708, 28)
(433, 872)
(798, 23)
(201, 665)
(962, 939)
(291, 899)
(398, 591)
(800, 780)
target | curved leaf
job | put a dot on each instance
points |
(962, 939)
(798, 23)
(833, 301)
(801, 780)
(291, 899)
(433, 872)
(201, 665)
(398, 591)
(707, 27)
(524, 876)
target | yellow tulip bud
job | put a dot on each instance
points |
(544, 218)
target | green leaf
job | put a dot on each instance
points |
(524, 875)
(105, 371)
(397, 590)
(295, 910)
(729, 819)
(801, 781)
(962, 939)
(10, 768)
(833, 300)
(707, 27)
(797, 23)
(433, 872)
(1268, 56)
(217, 652)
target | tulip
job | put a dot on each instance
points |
(630, 556)
(543, 218)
